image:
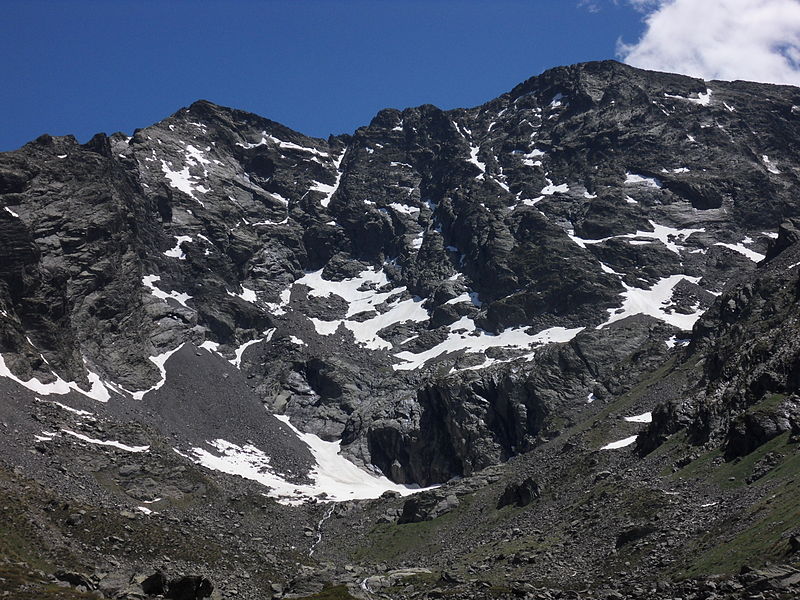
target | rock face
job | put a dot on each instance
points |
(397, 288)
(744, 351)
(519, 494)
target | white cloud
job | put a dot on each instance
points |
(591, 5)
(755, 40)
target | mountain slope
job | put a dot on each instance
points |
(436, 294)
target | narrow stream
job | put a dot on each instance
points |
(324, 518)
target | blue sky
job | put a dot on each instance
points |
(320, 67)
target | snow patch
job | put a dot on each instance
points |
(97, 391)
(744, 251)
(467, 337)
(330, 190)
(471, 297)
(473, 158)
(111, 443)
(551, 189)
(180, 297)
(80, 413)
(663, 233)
(334, 478)
(239, 352)
(674, 341)
(182, 181)
(402, 208)
(557, 100)
(634, 179)
(703, 99)
(246, 294)
(176, 252)
(159, 361)
(655, 302)
(267, 138)
(620, 443)
(768, 163)
(642, 418)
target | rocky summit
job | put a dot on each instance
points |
(543, 348)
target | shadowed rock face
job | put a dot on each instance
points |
(446, 240)
(519, 494)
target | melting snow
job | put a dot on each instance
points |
(361, 295)
(465, 335)
(402, 208)
(654, 302)
(80, 413)
(642, 418)
(743, 250)
(247, 295)
(663, 233)
(159, 360)
(239, 352)
(325, 327)
(466, 297)
(113, 444)
(529, 158)
(634, 179)
(473, 158)
(296, 340)
(329, 190)
(620, 443)
(703, 99)
(98, 390)
(284, 221)
(674, 341)
(770, 167)
(176, 252)
(182, 180)
(532, 202)
(179, 297)
(334, 477)
(551, 189)
(266, 138)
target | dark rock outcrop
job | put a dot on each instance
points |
(519, 494)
